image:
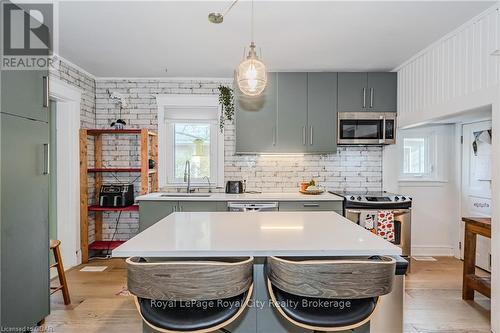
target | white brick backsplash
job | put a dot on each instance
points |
(352, 168)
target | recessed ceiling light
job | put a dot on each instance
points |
(166, 70)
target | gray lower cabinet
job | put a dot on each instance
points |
(199, 206)
(255, 120)
(292, 113)
(24, 210)
(321, 131)
(151, 212)
(372, 91)
(294, 206)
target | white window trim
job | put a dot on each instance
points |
(180, 101)
(437, 149)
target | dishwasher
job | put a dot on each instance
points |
(252, 206)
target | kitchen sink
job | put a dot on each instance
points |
(185, 195)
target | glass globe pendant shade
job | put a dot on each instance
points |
(251, 75)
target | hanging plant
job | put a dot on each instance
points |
(226, 100)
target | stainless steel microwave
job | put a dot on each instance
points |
(366, 128)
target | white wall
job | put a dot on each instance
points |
(435, 209)
(456, 74)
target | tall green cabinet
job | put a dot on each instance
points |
(24, 206)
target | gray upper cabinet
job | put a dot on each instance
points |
(256, 120)
(352, 92)
(367, 92)
(382, 92)
(33, 105)
(298, 111)
(321, 112)
(292, 112)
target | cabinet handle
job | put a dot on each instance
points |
(274, 136)
(46, 159)
(371, 97)
(303, 135)
(364, 97)
(45, 87)
(311, 205)
(311, 129)
(174, 209)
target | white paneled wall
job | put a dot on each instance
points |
(458, 65)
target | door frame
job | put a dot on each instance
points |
(68, 99)
(460, 175)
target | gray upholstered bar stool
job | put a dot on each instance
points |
(190, 294)
(332, 294)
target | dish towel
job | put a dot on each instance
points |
(385, 225)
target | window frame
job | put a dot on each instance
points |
(431, 141)
(199, 108)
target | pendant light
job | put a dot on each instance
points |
(251, 75)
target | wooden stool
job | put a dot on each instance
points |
(474, 226)
(54, 246)
(164, 292)
(328, 295)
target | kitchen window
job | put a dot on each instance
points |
(188, 129)
(419, 160)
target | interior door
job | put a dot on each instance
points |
(24, 215)
(292, 112)
(476, 182)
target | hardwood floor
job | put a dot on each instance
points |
(433, 301)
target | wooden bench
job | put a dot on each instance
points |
(471, 282)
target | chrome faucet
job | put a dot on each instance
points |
(187, 176)
(209, 185)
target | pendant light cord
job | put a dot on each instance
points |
(252, 24)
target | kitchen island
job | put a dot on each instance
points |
(234, 234)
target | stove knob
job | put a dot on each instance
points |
(359, 198)
(352, 198)
(396, 198)
(403, 198)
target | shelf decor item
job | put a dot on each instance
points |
(226, 101)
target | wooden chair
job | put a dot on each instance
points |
(190, 294)
(333, 294)
(63, 285)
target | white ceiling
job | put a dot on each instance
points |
(141, 39)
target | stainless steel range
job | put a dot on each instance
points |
(376, 210)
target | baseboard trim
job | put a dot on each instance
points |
(446, 251)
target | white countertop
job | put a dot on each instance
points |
(205, 234)
(157, 196)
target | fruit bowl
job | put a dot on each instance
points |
(312, 191)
